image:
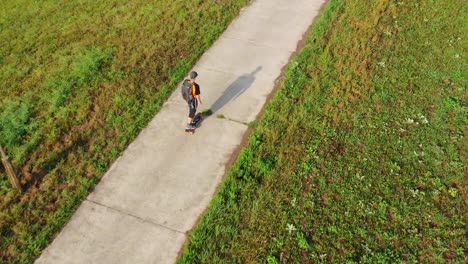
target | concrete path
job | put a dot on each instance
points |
(154, 193)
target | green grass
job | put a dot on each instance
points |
(361, 155)
(80, 79)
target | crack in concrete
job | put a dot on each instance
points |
(258, 44)
(206, 68)
(135, 216)
(233, 120)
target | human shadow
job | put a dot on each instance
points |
(238, 87)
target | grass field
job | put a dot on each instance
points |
(361, 156)
(79, 80)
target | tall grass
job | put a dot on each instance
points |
(79, 80)
(361, 155)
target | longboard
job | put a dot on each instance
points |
(197, 119)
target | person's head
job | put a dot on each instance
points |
(193, 75)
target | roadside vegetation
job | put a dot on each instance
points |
(361, 155)
(79, 80)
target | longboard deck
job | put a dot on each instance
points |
(198, 118)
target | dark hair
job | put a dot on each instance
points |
(193, 75)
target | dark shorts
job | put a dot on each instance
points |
(192, 108)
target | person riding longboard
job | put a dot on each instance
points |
(191, 94)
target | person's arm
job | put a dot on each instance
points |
(197, 93)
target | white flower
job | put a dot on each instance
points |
(359, 176)
(423, 119)
(290, 228)
(414, 192)
(457, 56)
(382, 63)
(409, 121)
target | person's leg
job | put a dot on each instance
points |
(195, 106)
(192, 110)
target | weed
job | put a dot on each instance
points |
(207, 112)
